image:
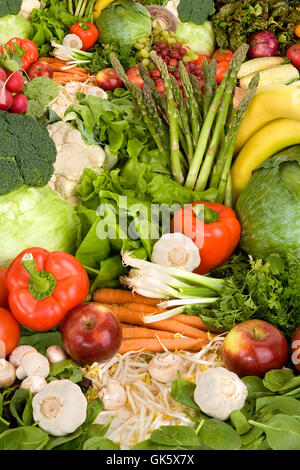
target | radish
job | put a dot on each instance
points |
(6, 98)
(15, 82)
(20, 104)
(2, 75)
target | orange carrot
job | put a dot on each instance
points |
(65, 77)
(58, 67)
(134, 317)
(119, 296)
(49, 59)
(195, 321)
(153, 345)
(131, 332)
(146, 309)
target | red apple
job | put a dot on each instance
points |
(295, 348)
(134, 76)
(253, 348)
(91, 332)
(40, 69)
(108, 79)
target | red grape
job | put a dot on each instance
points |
(178, 45)
(165, 52)
(176, 74)
(155, 74)
(182, 51)
(175, 55)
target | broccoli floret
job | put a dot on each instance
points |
(9, 7)
(27, 152)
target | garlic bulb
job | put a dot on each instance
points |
(164, 367)
(219, 392)
(176, 250)
(113, 395)
(60, 408)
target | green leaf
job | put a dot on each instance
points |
(239, 422)
(282, 432)
(182, 391)
(58, 443)
(66, 369)
(98, 430)
(258, 444)
(150, 445)
(21, 407)
(255, 387)
(218, 435)
(23, 438)
(93, 409)
(100, 443)
(281, 404)
(195, 11)
(251, 436)
(275, 380)
(41, 341)
(183, 436)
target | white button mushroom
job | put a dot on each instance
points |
(219, 392)
(164, 367)
(176, 250)
(113, 395)
(7, 374)
(34, 383)
(17, 354)
(33, 363)
(60, 408)
(55, 354)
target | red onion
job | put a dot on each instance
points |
(262, 44)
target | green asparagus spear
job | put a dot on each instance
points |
(210, 83)
(172, 118)
(197, 93)
(238, 58)
(228, 192)
(222, 168)
(195, 117)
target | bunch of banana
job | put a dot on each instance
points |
(271, 123)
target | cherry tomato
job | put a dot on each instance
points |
(3, 289)
(9, 332)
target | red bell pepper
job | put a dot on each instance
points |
(200, 59)
(223, 58)
(29, 49)
(214, 229)
(44, 286)
(87, 32)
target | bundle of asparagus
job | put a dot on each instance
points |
(196, 132)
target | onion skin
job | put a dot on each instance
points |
(262, 44)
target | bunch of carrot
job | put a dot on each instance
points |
(181, 332)
(60, 74)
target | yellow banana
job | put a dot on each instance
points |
(273, 102)
(269, 140)
(99, 6)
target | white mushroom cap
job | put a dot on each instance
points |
(164, 367)
(7, 374)
(34, 383)
(33, 363)
(17, 354)
(56, 354)
(113, 395)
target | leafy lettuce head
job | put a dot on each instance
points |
(200, 38)
(13, 26)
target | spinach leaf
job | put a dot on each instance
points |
(282, 432)
(182, 391)
(279, 404)
(21, 407)
(256, 387)
(182, 436)
(98, 430)
(218, 435)
(148, 444)
(66, 369)
(41, 341)
(93, 409)
(65, 442)
(239, 422)
(258, 444)
(100, 443)
(251, 436)
(275, 380)
(23, 438)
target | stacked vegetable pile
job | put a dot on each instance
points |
(149, 207)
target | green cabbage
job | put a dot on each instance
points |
(123, 23)
(269, 207)
(200, 38)
(36, 217)
(13, 26)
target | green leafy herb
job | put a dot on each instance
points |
(23, 438)
(282, 432)
(182, 436)
(21, 407)
(195, 11)
(66, 369)
(182, 391)
(100, 443)
(101, 57)
(218, 435)
(41, 341)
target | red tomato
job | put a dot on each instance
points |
(134, 76)
(3, 289)
(223, 58)
(9, 332)
(200, 59)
